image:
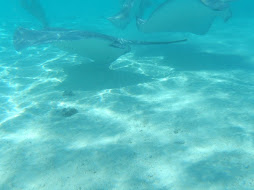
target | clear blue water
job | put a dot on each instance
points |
(176, 117)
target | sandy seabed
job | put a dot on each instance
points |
(177, 117)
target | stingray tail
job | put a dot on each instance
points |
(133, 42)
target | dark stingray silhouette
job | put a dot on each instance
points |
(35, 9)
(130, 10)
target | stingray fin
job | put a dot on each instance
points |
(123, 17)
(35, 9)
(227, 14)
(24, 38)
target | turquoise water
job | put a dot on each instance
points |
(174, 117)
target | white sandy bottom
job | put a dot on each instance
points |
(181, 118)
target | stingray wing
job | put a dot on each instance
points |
(180, 16)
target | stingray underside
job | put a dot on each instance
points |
(96, 49)
(180, 16)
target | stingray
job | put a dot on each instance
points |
(35, 9)
(194, 16)
(99, 48)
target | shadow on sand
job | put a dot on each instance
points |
(189, 58)
(89, 77)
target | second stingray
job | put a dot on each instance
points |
(192, 16)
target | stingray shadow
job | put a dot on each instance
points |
(89, 77)
(189, 58)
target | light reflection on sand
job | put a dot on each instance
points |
(181, 129)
